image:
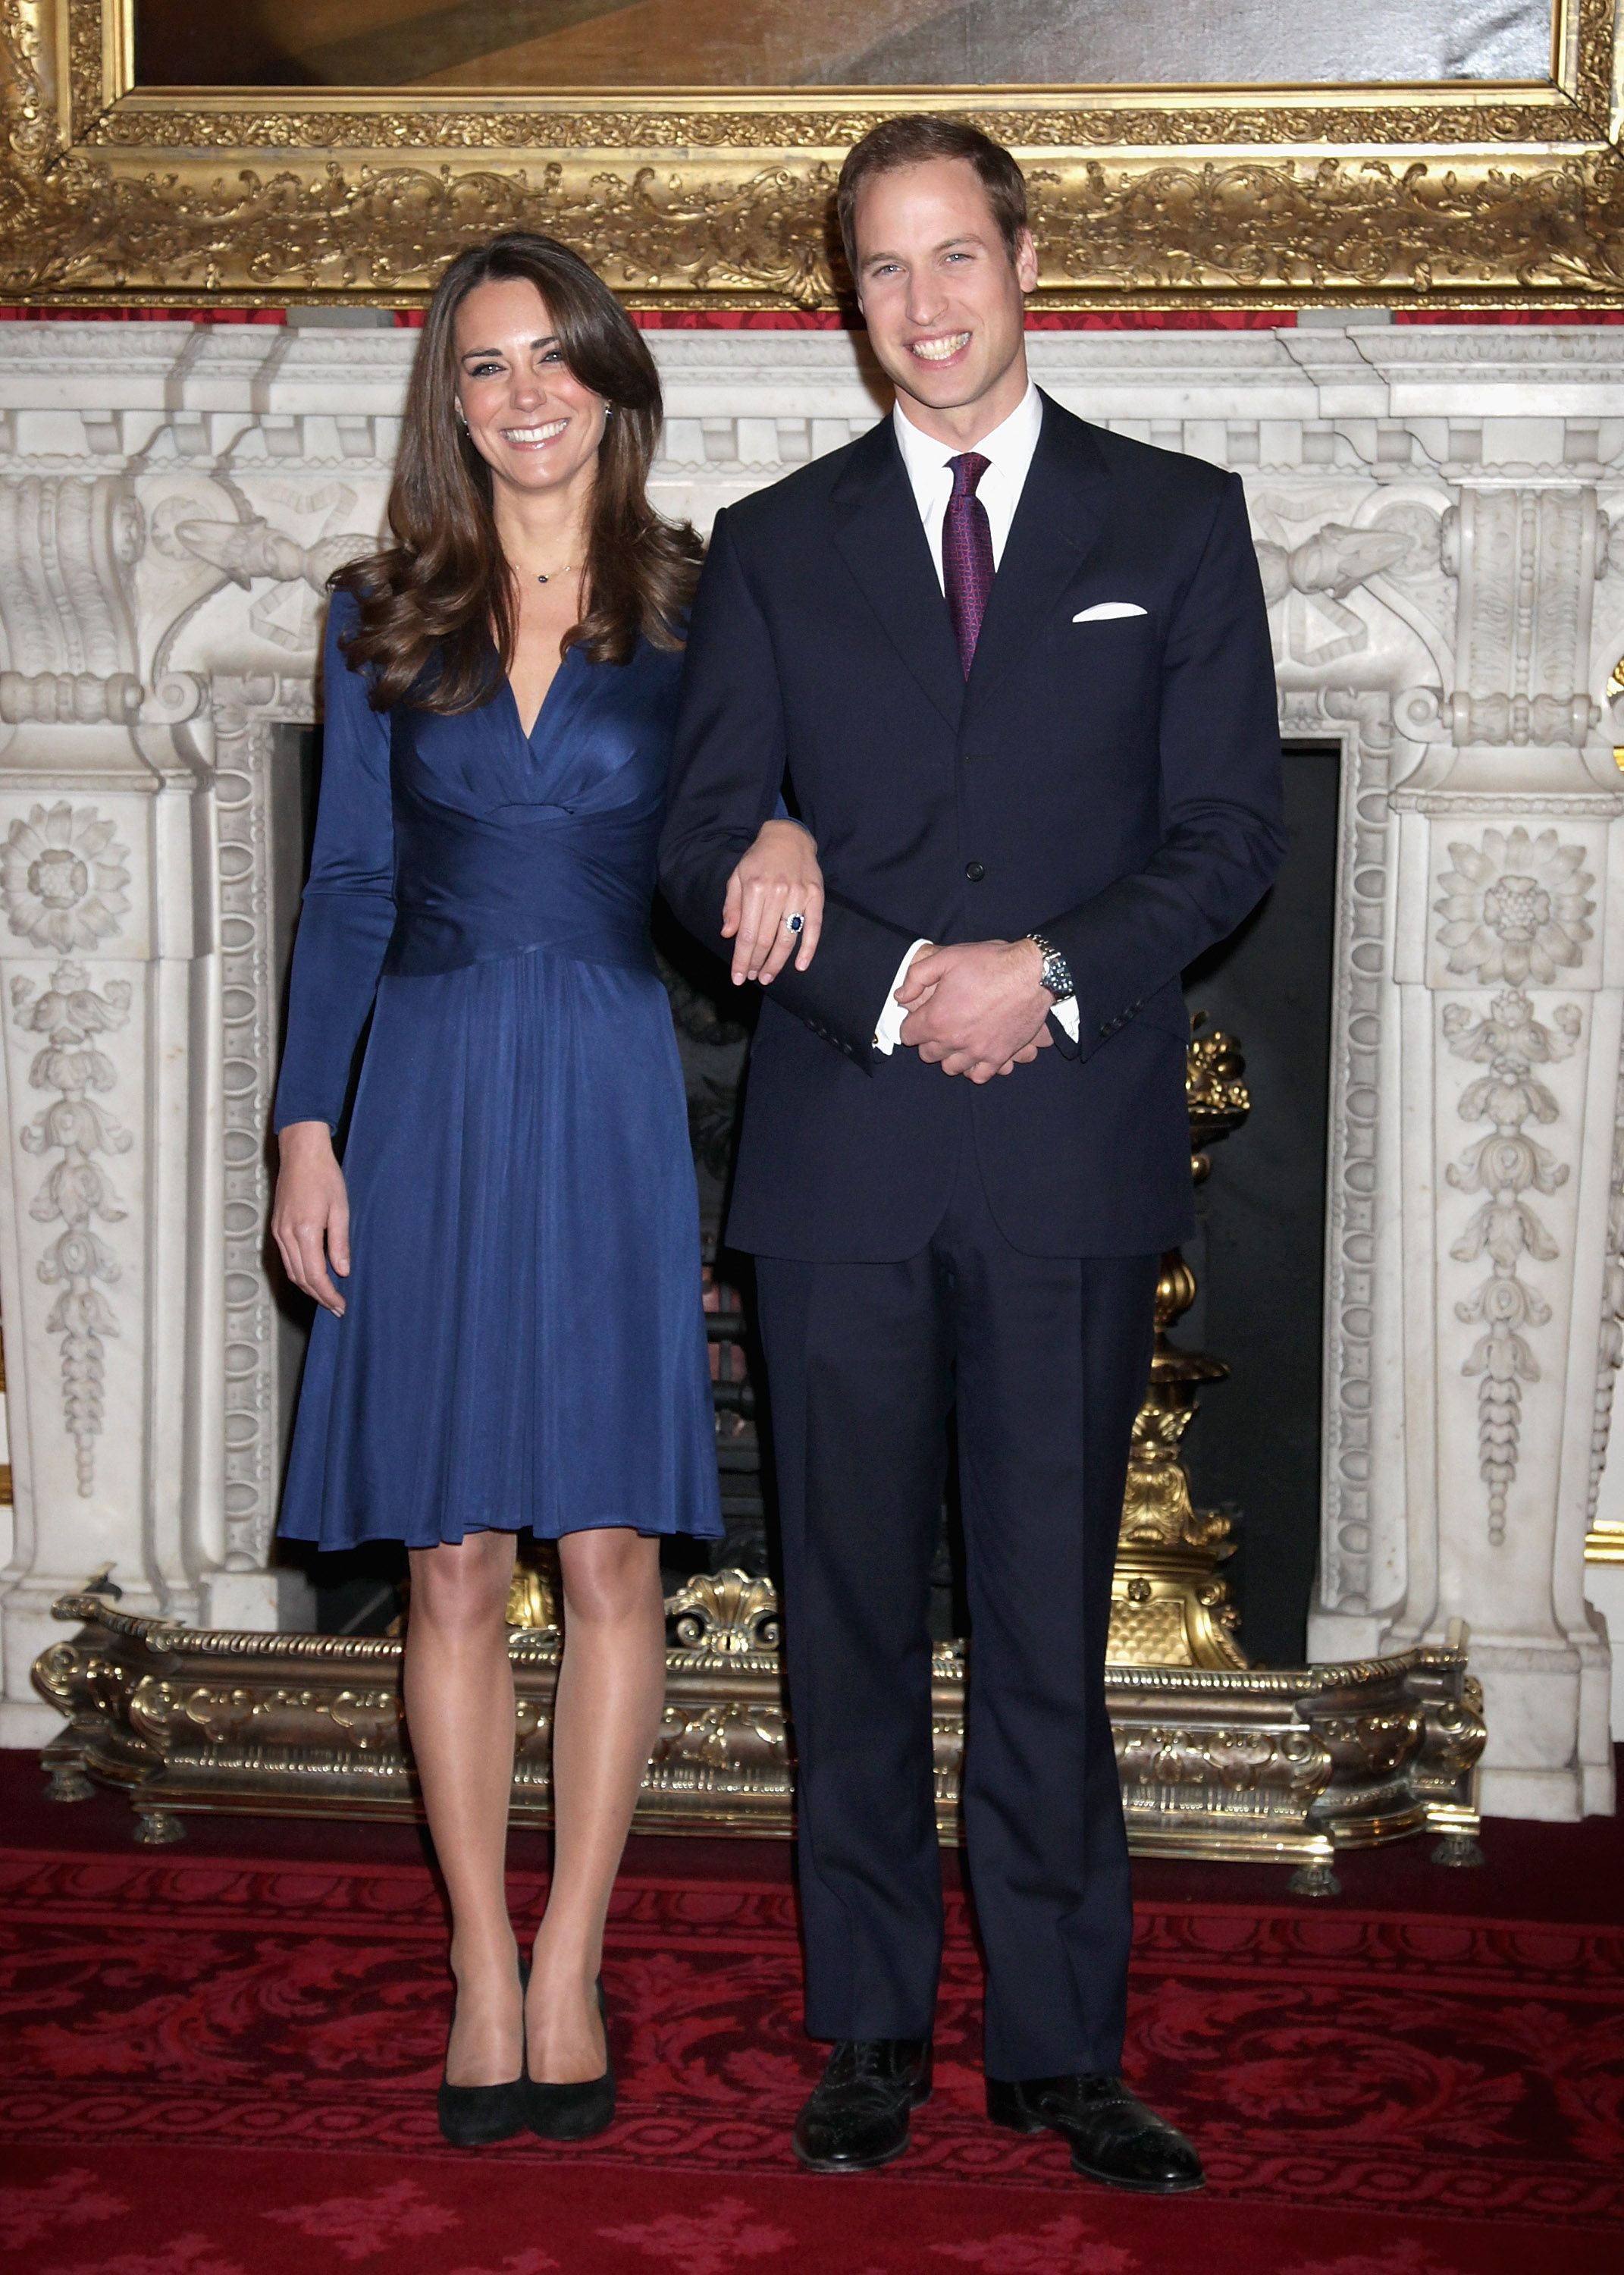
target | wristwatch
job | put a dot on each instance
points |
(1056, 971)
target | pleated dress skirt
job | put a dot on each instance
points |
(524, 1339)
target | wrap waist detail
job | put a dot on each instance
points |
(467, 892)
(421, 944)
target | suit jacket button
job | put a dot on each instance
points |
(975, 870)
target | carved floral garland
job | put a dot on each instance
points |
(1514, 909)
(1505, 1165)
(63, 883)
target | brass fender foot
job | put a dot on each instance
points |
(1315, 1878)
(155, 1828)
(68, 1783)
(1458, 1850)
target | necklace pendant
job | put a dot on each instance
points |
(542, 576)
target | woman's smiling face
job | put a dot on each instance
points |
(529, 418)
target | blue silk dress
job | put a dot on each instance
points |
(523, 1343)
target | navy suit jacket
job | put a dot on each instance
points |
(1113, 784)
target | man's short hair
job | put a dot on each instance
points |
(913, 140)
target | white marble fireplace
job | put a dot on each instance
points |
(1433, 508)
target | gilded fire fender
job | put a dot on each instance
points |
(1460, 194)
(1284, 1766)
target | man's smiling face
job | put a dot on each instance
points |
(943, 298)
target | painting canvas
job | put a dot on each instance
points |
(594, 45)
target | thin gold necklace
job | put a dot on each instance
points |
(546, 576)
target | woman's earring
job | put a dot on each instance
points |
(462, 418)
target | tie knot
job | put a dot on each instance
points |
(967, 471)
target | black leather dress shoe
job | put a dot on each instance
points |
(857, 2115)
(1113, 2136)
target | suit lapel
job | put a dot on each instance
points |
(882, 541)
(1056, 526)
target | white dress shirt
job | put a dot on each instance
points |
(1008, 451)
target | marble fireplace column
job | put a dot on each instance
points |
(1507, 951)
(133, 950)
(108, 1203)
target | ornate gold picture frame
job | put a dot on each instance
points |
(1455, 194)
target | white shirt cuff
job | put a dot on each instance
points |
(888, 1025)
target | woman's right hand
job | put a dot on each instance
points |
(310, 1218)
(778, 875)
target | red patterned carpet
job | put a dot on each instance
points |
(219, 2064)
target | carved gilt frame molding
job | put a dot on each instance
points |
(1451, 195)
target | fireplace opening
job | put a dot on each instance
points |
(1253, 1451)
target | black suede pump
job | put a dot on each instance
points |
(573, 2112)
(473, 2116)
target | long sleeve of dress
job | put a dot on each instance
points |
(348, 910)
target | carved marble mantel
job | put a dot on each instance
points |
(1433, 509)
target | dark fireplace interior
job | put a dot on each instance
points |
(1259, 1254)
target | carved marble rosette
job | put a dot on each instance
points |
(1433, 509)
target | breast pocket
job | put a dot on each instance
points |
(1107, 665)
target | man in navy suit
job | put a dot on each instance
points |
(1013, 672)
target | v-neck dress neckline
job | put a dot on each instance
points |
(529, 735)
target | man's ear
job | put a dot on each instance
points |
(1026, 261)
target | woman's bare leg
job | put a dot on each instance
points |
(611, 1694)
(458, 1686)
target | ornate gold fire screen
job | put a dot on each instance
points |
(1281, 1766)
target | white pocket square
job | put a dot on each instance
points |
(1101, 609)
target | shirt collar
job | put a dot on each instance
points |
(1009, 447)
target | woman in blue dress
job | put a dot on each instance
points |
(510, 1331)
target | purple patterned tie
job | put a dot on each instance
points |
(967, 555)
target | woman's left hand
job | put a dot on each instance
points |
(778, 878)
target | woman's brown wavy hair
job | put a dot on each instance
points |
(443, 591)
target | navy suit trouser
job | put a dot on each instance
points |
(1046, 1361)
